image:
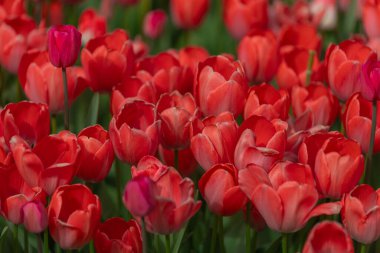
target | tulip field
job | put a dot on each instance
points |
(189, 126)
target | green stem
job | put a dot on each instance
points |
(16, 239)
(157, 243)
(221, 235)
(26, 241)
(118, 185)
(363, 248)
(39, 243)
(144, 239)
(310, 62)
(371, 143)
(66, 100)
(46, 241)
(214, 235)
(248, 230)
(53, 124)
(91, 247)
(167, 244)
(254, 241)
(284, 243)
(176, 159)
(57, 248)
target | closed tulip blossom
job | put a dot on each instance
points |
(264, 100)
(261, 142)
(370, 83)
(357, 120)
(117, 236)
(220, 85)
(328, 236)
(174, 196)
(303, 36)
(138, 196)
(96, 154)
(286, 197)
(337, 163)
(188, 15)
(134, 131)
(259, 55)
(74, 214)
(154, 23)
(361, 214)
(344, 66)
(371, 18)
(64, 45)
(220, 188)
(216, 142)
(242, 16)
(179, 115)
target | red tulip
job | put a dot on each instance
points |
(178, 114)
(118, 236)
(328, 236)
(297, 13)
(50, 163)
(129, 89)
(220, 86)
(174, 195)
(107, 60)
(264, 100)
(11, 9)
(30, 121)
(43, 82)
(190, 56)
(258, 53)
(370, 79)
(34, 215)
(261, 142)
(96, 154)
(186, 161)
(299, 36)
(154, 23)
(286, 197)
(64, 42)
(314, 105)
(138, 196)
(17, 199)
(293, 67)
(188, 15)
(166, 73)
(337, 162)
(357, 120)
(134, 131)
(216, 143)
(241, 16)
(74, 214)
(344, 66)
(91, 25)
(371, 18)
(16, 37)
(361, 214)
(53, 11)
(220, 188)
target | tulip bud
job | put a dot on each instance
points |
(35, 216)
(64, 42)
(154, 23)
(138, 196)
(370, 81)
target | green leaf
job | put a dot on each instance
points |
(181, 233)
(93, 110)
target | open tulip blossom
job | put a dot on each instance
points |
(189, 126)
